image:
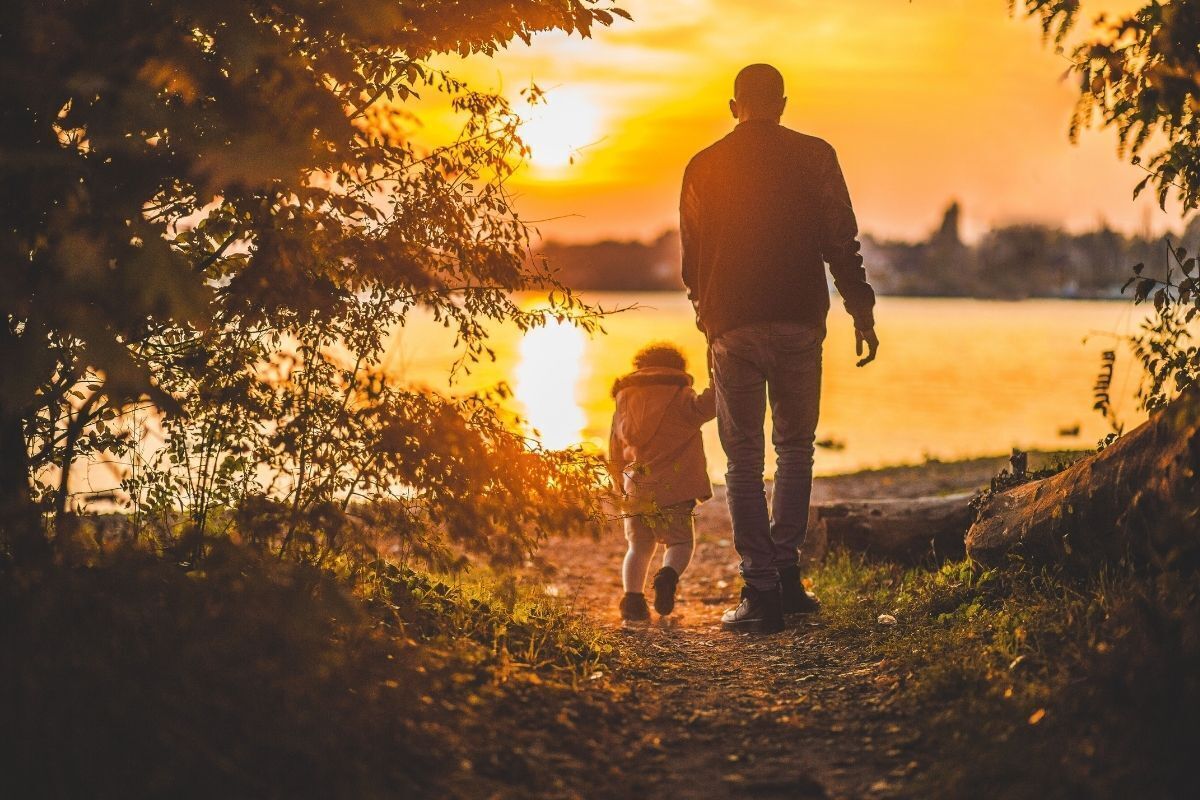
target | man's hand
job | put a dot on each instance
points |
(868, 338)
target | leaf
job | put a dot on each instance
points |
(1144, 287)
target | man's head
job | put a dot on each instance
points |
(758, 94)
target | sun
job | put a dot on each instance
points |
(558, 128)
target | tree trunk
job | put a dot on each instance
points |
(899, 530)
(24, 362)
(19, 522)
(1138, 498)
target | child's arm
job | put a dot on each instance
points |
(616, 457)
(702, 407)
(706, 404)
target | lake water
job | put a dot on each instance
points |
(954, 377)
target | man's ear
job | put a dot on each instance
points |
(782, 106)
(733, 109)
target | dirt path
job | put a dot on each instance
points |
(794, 714)
(799, 714)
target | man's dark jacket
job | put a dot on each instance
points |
(762, 211)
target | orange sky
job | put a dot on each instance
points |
(925, 101)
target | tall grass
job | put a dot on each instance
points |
(1030, 683)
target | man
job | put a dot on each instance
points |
(761, 212)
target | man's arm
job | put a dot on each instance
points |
(689, 228)
(840, 249)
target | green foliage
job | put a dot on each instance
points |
(1138, 74)
(138, 656)
(164, 159)
(318, 454)
(216, 213)
(1091, 679)
(1165, 348)
(257, 677)
(1017, 473)
(516, 628)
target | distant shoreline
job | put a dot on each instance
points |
(1010, 261)
(929, 479)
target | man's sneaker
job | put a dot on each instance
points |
(759, 612)
(793, 596)
(665, 581)
(634, 610)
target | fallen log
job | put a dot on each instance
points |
(908, 530)
(1139, 498)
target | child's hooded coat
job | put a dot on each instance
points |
(655, 450)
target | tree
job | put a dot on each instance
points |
(1140, 74)
(1138, 498)
(178, 174)
(1019, 260)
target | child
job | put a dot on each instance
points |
(657, 460)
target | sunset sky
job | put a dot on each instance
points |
(925, 101)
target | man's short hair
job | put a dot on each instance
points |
(660, 354)
(758, 84)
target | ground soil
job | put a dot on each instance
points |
(711, 714)
(793, 714)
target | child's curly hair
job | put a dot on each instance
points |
(660, 354)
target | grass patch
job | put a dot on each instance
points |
(1028, 683)
(517, 625)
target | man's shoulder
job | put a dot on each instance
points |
(708, 154)
(812, 144)
(806, 144)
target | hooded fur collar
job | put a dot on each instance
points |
(652, 376)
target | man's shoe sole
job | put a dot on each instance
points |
(753, 626)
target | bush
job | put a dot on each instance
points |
(254, 677)
(1014, 677)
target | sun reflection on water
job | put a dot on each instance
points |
(547, 381)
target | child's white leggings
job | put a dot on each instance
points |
(673, 527)
(638, 558)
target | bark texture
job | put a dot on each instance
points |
(1138, 498)
(908, 530)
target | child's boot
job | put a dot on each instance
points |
(665, 582)
(634, 610)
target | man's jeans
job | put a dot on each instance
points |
(782, 361)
